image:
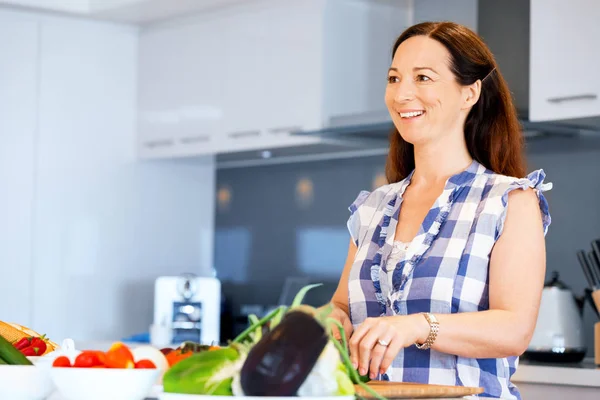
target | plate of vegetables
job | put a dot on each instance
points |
(291, 352)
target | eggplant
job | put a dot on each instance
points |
(280, 362)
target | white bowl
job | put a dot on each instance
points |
(25, 382)
(103, 383)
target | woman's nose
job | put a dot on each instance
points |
(404, 91)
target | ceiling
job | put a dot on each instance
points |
(138, 12)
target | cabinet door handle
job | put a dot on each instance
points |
(285, 129)
(243, 134)
(159, 143)
(585, 96)
(195, 139)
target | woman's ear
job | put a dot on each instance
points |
(471, 94)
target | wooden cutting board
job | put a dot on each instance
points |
(405, 390)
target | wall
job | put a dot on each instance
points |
(103, 225)
(267, 231)
(459, 11)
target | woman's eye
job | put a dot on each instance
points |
(393, 79)
(423, 78)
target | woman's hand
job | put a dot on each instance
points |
(343, 318)
(377, 341)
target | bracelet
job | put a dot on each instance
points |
(434, 328)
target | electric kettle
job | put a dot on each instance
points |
(558, 335)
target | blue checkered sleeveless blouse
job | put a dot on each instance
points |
(445, 269)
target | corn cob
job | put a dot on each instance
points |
(15, 332)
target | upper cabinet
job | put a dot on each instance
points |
(564, 78)
(246, 77)
(546, 50)
(181, 88)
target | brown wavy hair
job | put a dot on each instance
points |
(493, 133)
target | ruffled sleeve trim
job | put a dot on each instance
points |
(354, 222)
(534, 180)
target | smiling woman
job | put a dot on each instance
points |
(445, 267)
(447, 71)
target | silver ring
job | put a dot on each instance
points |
(383, 343)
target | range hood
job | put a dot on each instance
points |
(360, 140)
(365, 139)
(372, 139)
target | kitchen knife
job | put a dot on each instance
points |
(595, 267)
(585, 266)
(596, 250)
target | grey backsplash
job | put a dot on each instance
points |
(289, 220)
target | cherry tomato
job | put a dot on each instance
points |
(87, 359)
(145, 364)
(62, 362)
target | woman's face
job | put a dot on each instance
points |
(423, 98)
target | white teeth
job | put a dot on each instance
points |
(411, 114)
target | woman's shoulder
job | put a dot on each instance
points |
(501, 185)
(520, 190)
(376, 198)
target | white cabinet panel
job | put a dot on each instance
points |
(85, 151)
(272, 75)
(294, 67)
(358, 44)
(564, 60)
(243, 73)
(181, 88)
(18, 95)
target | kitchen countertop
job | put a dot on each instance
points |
(585, 373)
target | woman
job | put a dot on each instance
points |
(446, 264)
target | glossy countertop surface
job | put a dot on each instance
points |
(584, 373)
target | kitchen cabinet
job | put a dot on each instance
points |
(270, 76)
(84, 228)
(86, 182)
(564, 82)
(181, 88)
(256, 73)
(18, 104)
(546, 52)
(268, 69)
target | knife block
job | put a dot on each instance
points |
(597, 343)
(596, 298)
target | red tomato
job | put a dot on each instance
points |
(87, 359)
(61, 361)
(101, 357)
(146, 364)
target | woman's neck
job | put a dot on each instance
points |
(437, 161)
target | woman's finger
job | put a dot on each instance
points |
(355, 340)
(366, 346)
(390, 354)
(379, 352)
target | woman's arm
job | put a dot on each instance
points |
(340, 297)
(516, 280)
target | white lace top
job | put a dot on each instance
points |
(398, 253)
